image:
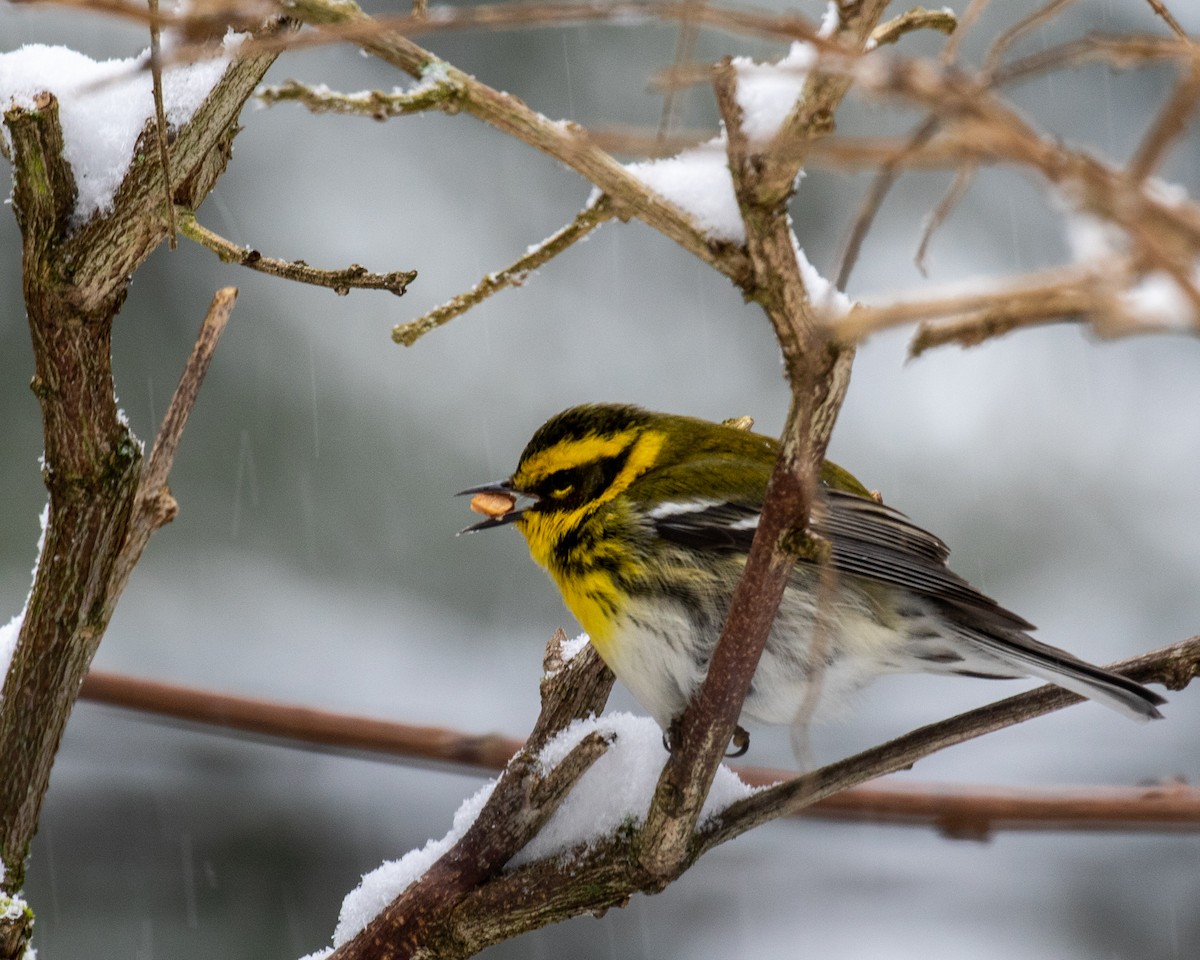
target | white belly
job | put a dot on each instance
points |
(663, 660)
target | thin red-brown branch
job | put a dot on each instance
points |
(955, 809)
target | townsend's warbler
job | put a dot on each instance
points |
(644, 521)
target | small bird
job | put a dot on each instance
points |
(644, 521)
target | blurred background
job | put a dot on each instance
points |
(314, 557)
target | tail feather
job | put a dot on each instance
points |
(1041, 660)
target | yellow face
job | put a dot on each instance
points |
(573, 479)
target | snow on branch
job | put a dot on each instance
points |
(104, 107)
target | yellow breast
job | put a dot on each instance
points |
(584, 578)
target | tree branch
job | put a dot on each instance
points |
(946, 807)
(522, 801)
(436, 95)
(1174, 666)
(515, 274)
(339, 281)
(1045, 296)
(818, 374)
(918, 18)
(606, 872)
(154, 507)
(566, 142)
(92, 466)
(75, 280)
(105, 251)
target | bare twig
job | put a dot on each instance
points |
(685, 44)
(298, 724)
(1168, 126)
(153, 505)
(160, 122)
(887, 176)
(954, 809)
(972, 14)
(1173, 666)
(1161, 9)
(963, 179)
(566, 142)
(976, 813)
(1010, 36)
(433, 94)
(205, 23)
(1120, 53)
(1037, 298)
(587, 220)
(501, 16)
(162, 454)
(340, 282)
(644, 142)
(870, 153)
(918, 18)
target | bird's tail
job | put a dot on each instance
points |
(1032, 658)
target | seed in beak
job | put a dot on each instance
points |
(493, 505)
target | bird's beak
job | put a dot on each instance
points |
(497, 501)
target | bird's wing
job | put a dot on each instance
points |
(869, 540)
(876, 543)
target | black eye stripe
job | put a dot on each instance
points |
(582, 483)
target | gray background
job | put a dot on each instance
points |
(314, 558)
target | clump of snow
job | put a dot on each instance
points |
(13, 907)
(12, 630)
(1166, 192)
(104, 106)
(1157, 301)
(697, 181)
(1093, 238)
(767, 92)
(386, 882)
(830, 20)
(574, 647)
(822, 294)
(616, 790)
(433, 74)
(8, 644)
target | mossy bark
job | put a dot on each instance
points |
(75, 278)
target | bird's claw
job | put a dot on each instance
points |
(740, 741)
